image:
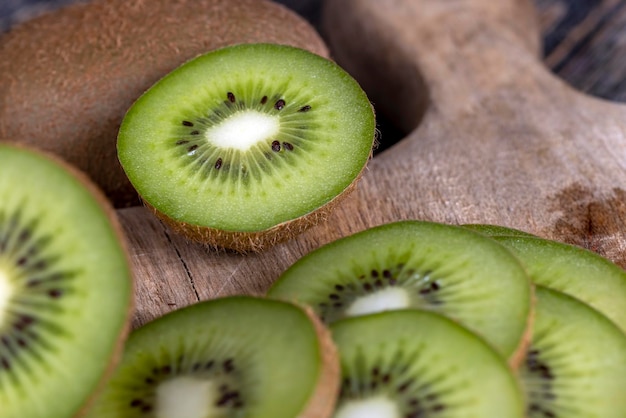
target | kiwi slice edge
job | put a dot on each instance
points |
(568, 268)
(181, 144)
(70, 285)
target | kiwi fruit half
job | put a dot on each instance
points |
(576, 271)
(238, 356)
(420, 364)
(68, 77)
(65, 286)
(247, 145)
(438, 267)
(576, 363)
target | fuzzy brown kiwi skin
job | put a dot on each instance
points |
(519, 356)
(110, 213)
(68, 77)
(323, 401)
(258, 241)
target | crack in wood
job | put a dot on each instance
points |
(182, 261)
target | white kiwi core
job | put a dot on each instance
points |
(187, 397)
(375, 407)
(244, 129)
(389, 298)
(6, 290)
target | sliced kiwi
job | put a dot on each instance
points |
(444, 268)
(576, 363)
(247, 145)
(419, 364)
(233, 357)
(573, 270)
(65, 286)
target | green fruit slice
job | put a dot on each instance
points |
(573, 270)
(442, 268)
(576, 363)
(411, 363)
(232, 357)
(247, 138)
(497, 230)
(65, 287)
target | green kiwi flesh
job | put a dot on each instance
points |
(443, 268)
(65, 286)
(419, 364)
(576, 271)
(231, 357)
(497, 230)
(576, 363)
(68, 77)
(246, 138)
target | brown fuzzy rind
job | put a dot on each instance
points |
(68, 77)
(257, 241)
(113, 220)
(519, 356)
(323, 401)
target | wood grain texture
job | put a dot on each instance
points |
(494, 137)
(585, 42)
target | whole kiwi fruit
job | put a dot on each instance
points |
(68, 77)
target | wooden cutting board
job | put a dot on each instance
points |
(494, 137)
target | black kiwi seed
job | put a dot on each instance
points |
(279, 105)
(218, 164)
(304, 108)
(187, 123)
(288, 146)
(182, 142)
(231, 97)
(194, 133)
(264, 100)
(403, 387)
(275, 146)
(228, 365)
